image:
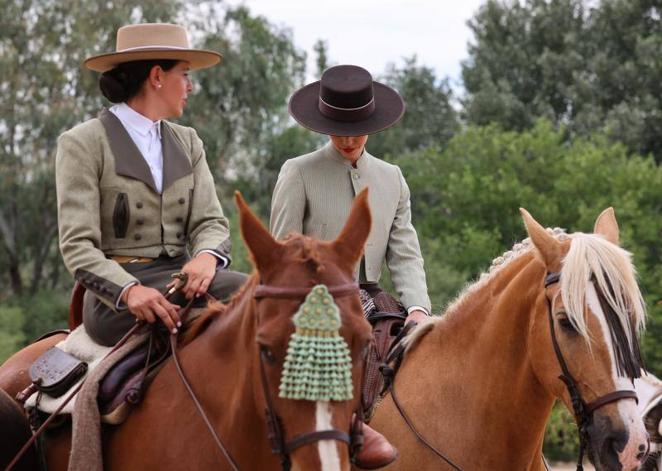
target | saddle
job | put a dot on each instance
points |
(55, 372)
(387, 320)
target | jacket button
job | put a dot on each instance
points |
(179, 219)
(137, 237)
(139, 205)
(179, 235)
(182, 200)
(140, 222)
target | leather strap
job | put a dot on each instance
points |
(71, 395)
(130, 259)
(583, 411)
(312, 437)
(196, 402)
(609, 398)
(417, 434)
(285, 292)
(182, 281)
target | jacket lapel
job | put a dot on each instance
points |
(176, 163)
(129, 162)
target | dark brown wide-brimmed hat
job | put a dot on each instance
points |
(147, 41)
(346, 102)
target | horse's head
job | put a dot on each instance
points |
(310, 336)
(584, 346)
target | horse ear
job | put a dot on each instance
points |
(548, 247)
(263, 248)
(350, 242)
(607, 226)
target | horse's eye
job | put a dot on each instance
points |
(565, 323)
(267, 354)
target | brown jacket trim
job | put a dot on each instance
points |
(101, 287)
(129, 161)
(176, 163)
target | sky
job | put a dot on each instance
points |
(375, 33)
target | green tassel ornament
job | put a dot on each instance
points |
(317, 366)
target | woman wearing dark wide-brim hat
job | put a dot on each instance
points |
(314, 192)
(134, 192)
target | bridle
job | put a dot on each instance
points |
(275, 429)
(583, 410)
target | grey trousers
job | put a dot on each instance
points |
(106, 326)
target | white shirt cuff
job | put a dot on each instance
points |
(223, 261)
(121, 305)
(417, 308)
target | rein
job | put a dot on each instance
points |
(275, 431)
(217, 439)
(583, 411)
(181, 279)
(395, 356)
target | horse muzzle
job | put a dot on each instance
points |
(614, 447)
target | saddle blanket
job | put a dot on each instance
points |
(79, 344)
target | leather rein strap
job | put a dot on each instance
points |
(275, 431)
(217, 439)
(395, 356)
(583, 411)
(285, 292)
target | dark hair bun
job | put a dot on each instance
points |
(113, 86)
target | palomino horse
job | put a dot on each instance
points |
(649, 390)
(233, 357)
(479, 383)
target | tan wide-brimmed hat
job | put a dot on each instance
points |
(148, 41)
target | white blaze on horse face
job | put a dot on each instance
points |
(328, 450)
(627, 408)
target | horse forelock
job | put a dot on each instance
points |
(592, 258)
(304, 249)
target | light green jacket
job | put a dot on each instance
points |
(108, 204)
(314, 194)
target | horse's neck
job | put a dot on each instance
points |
(481, 374)
(226, 359)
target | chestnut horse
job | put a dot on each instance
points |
(479, 383)
(233, 356)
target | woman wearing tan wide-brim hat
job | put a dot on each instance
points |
(314, 192)
(134, 192)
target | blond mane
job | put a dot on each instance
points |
(589, 256)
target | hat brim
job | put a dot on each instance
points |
(389, 108)
(197, 58)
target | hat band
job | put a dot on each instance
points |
(156, 46)
(347, 114)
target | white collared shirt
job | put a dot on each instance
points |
(146, 135)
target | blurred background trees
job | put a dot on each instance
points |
(559, 112)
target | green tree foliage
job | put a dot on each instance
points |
(430, 118)
(240, 106)
(586, 65)
(466, 197)
(45, 91)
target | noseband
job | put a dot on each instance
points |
(275, 430)
(583, 410)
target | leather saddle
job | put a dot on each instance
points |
(387, 320)
(55, 371)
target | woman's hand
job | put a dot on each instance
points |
(200, 271)
(418, 316)
(148, 304)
